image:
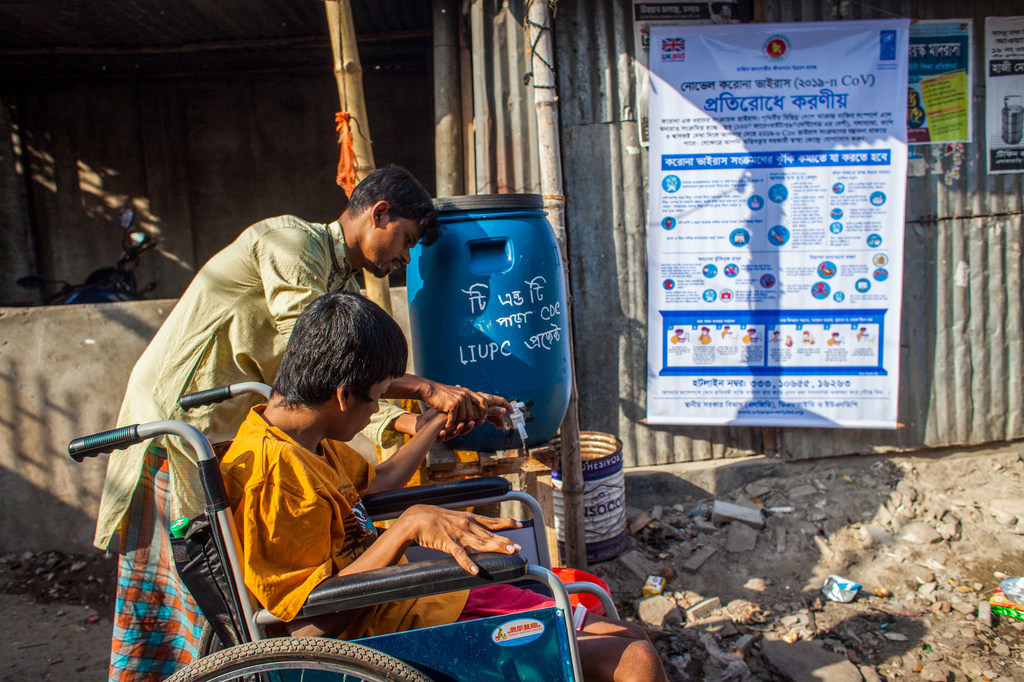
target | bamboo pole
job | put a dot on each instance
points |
(348, 72)
(448, 168)
(546, 103)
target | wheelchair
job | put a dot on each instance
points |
(537, 644)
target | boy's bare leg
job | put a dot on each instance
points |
(618, 651)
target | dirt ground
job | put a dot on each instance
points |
(928, 537)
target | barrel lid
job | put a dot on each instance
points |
(488, 202)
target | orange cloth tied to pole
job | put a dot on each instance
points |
(347, 166)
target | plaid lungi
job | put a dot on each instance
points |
(157, 626)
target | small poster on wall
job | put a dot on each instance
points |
(648, 13)
(940, 78)
(1004, 94)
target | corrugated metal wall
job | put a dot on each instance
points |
(961, 374)
(502, 135)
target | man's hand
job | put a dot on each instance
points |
(455, 532)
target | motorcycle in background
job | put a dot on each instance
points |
(107, 284)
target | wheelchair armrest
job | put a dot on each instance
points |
(406, 581)
(397, 501)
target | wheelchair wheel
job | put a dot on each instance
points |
(294, 658)
(209, 642)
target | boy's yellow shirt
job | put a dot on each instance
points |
(300, 519)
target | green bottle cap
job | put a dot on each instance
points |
(180, 527)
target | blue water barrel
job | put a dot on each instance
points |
(487, 310)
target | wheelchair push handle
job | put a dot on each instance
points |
(103, 442)
(122, 437)
(207, 397)
(219, 394)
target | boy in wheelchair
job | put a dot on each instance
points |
(295, 489)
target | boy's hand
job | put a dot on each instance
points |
(457, 533)
(466, 409)
(424, 420)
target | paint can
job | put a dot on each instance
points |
(604, 493)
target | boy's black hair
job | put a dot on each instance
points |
(405, 195)
(341, 339)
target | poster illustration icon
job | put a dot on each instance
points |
(836, 213)
(778, 235)
(877, 198)
(731, 270)
(874, 240)
(669, 284)
(739, 237)
(820, 290)
(778, 193)
(862, 285)
(880, 275)
(835, 228)
(710, 295)
(710, 270)
(767, 281)
(839, 297)
(838, 188)
(827, 270)
(725, 295)
(671, 184)
(755, 202)
(668, 222)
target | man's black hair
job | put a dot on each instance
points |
(405, 195)
(340, 339)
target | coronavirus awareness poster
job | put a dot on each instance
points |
(776, 216)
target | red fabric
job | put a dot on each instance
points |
(498, 600)
(347, 166)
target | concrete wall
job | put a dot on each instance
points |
(63, 370)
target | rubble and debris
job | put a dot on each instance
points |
(809, 662)
(659, 611)
(724, 512)
(698, 558)
(704, 608)
(741, 538)
(916, 533)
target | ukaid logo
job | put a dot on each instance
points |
(673, 50)
(517, 632)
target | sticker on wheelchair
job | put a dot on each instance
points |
(517, 632)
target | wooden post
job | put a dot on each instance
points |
(448, 169)
(349, 74)
(546, 102)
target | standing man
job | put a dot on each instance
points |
(232, 325)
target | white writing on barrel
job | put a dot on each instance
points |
(550, 311)
(477, 297)
(536, 289)
(544, 339)
(513, 298)
(478, 352)
(517, 319)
